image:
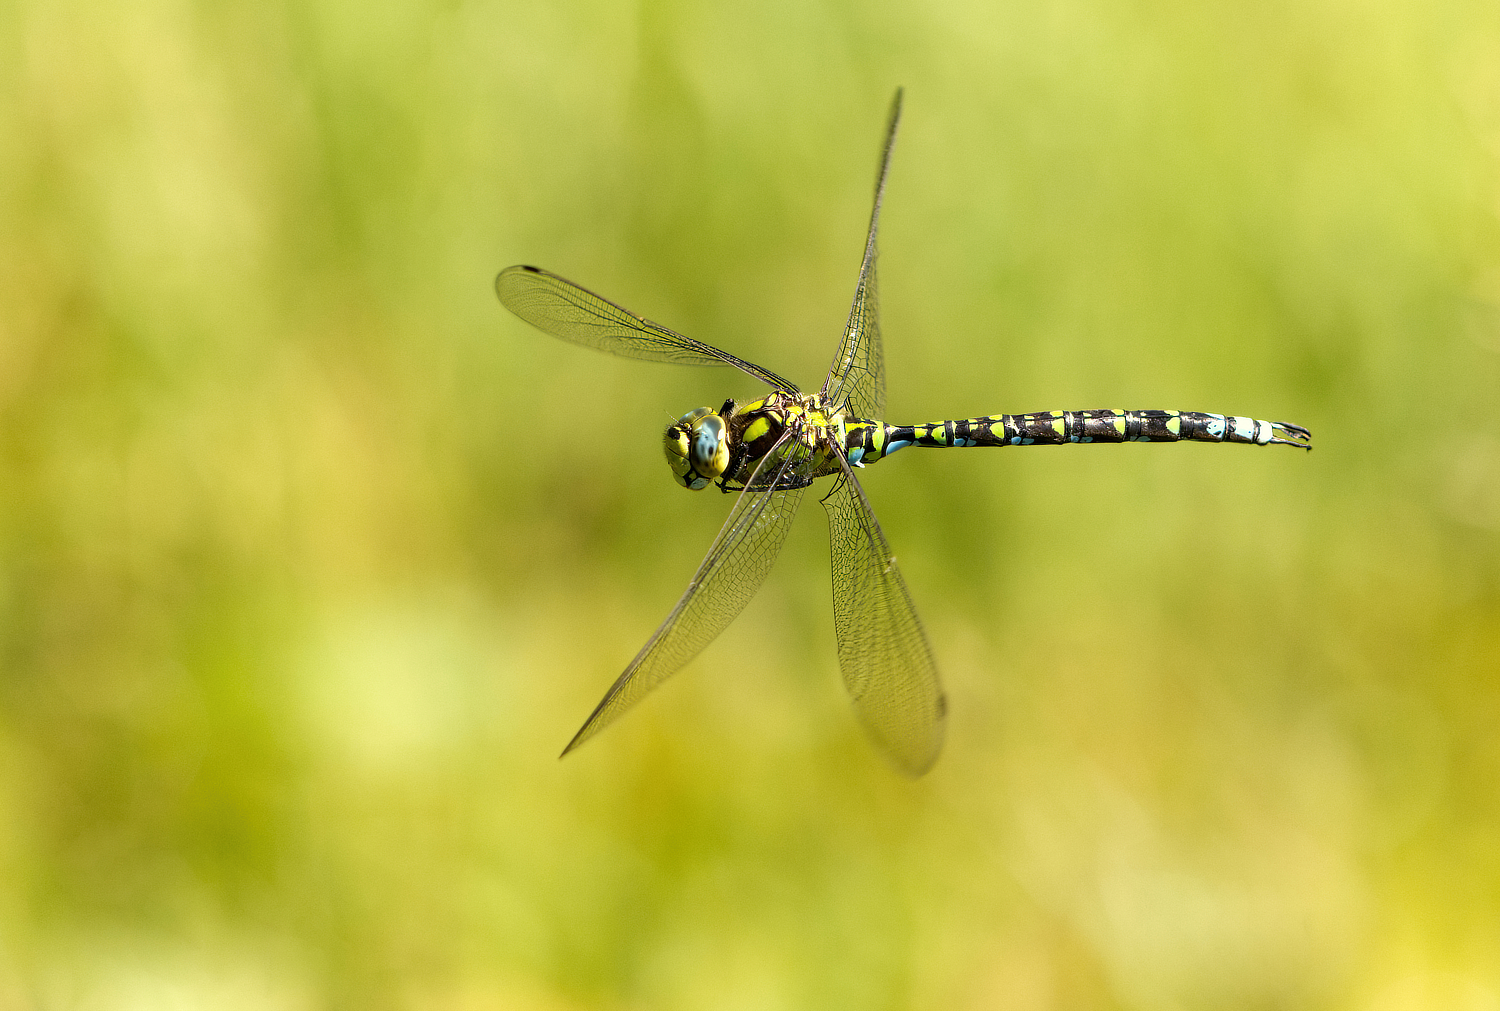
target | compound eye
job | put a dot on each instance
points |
(710, 448)
(696, 449)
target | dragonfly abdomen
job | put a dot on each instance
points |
(869, 441)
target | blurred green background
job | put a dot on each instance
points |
(314, 557)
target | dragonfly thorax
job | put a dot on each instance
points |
(697, 448)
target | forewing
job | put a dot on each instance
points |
(857, 379)
(733, 570)
(563, 309)
(883, 651)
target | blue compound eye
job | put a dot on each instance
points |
(697, 449)
(710, 448)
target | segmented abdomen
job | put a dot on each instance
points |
(869, 441)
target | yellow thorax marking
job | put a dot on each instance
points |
(756, 429)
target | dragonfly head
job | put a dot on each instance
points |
(697, 448)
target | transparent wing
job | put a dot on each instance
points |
(736, 565)
(883, 651)
(857, 379)
(563, 309)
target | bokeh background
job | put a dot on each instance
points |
(314, 557)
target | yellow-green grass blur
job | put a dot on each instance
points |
(312, 557)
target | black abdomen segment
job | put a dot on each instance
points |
(868, 442)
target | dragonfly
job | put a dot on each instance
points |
(770, 451)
